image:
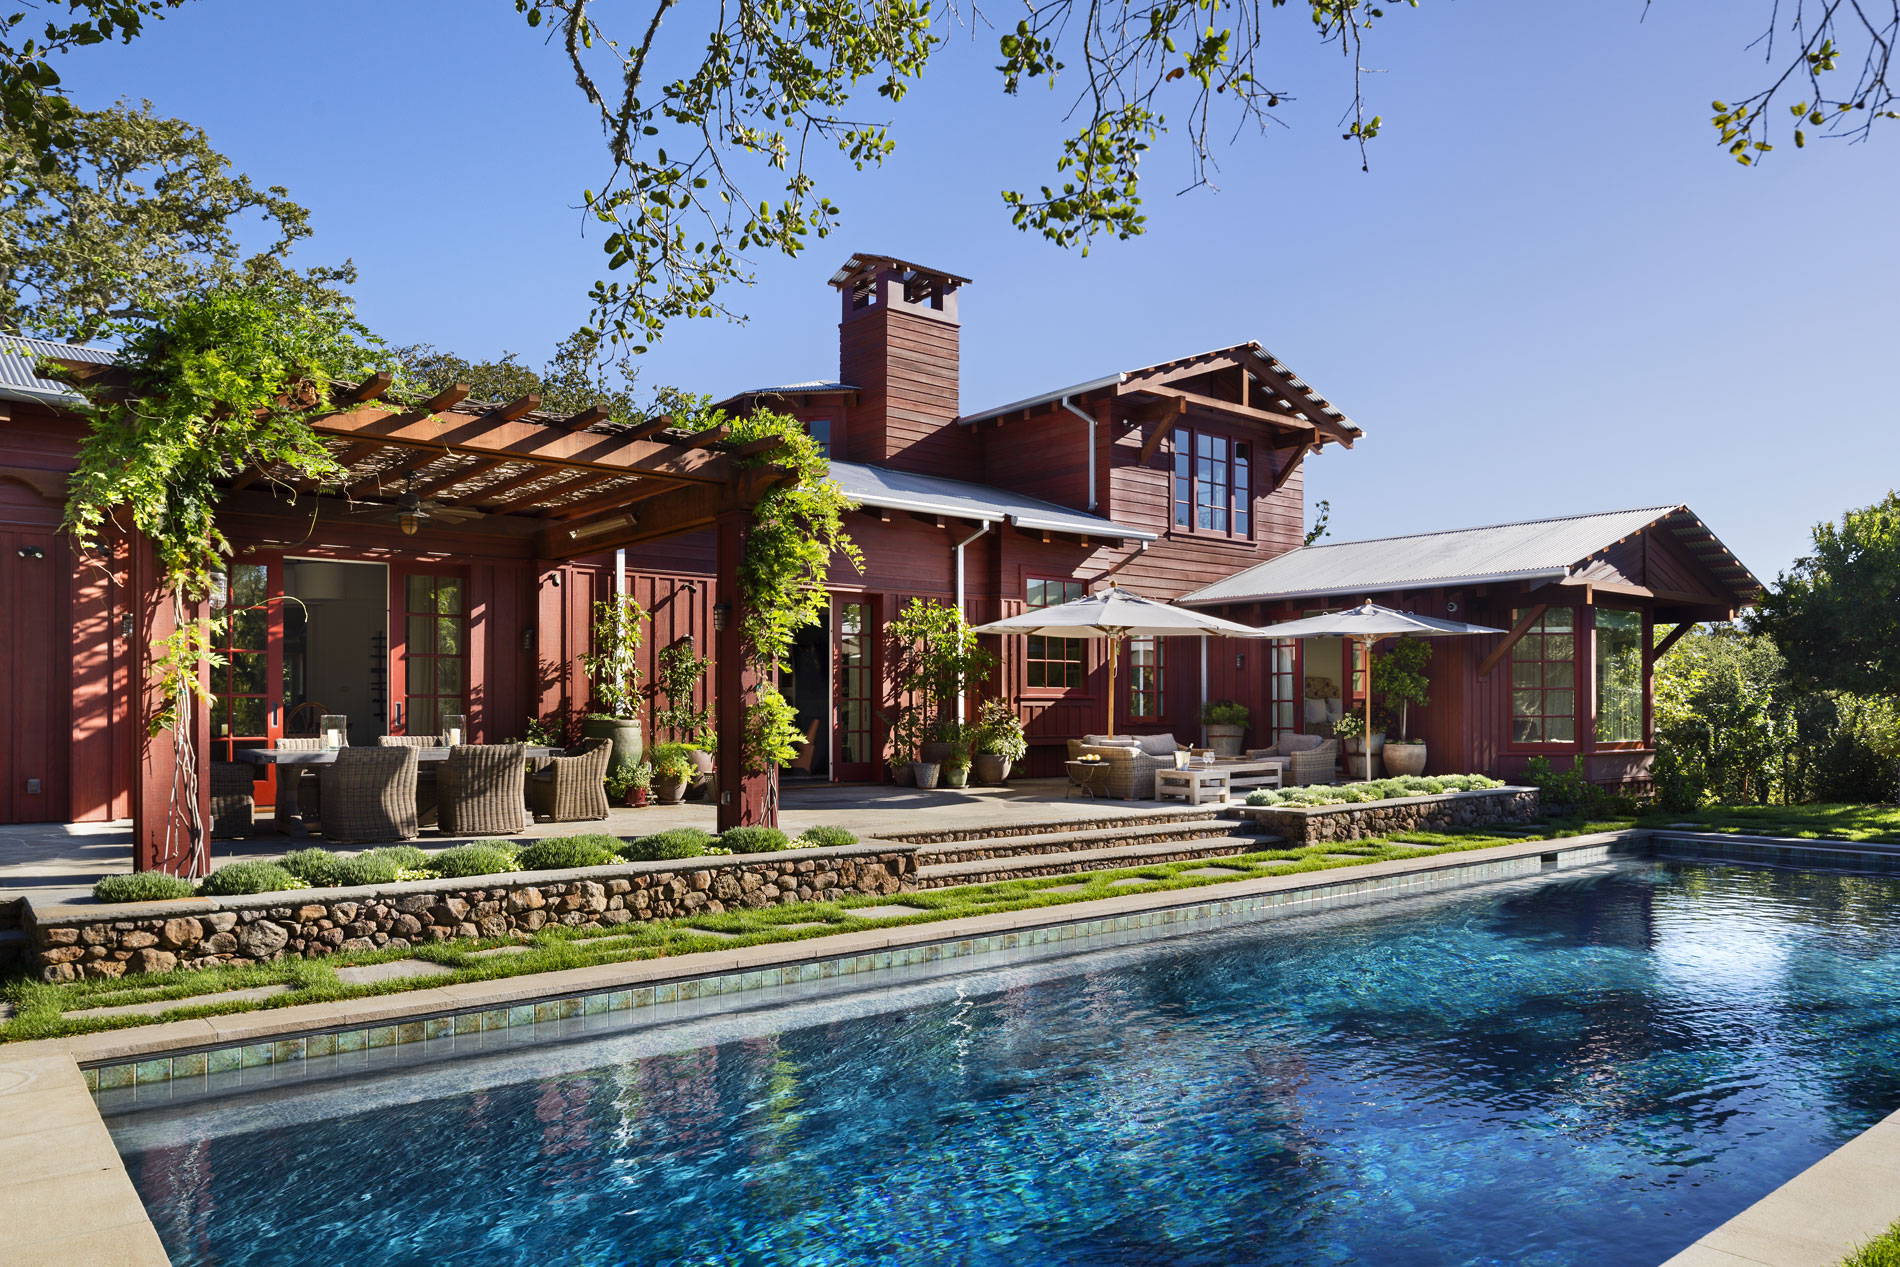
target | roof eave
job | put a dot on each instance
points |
(1493, 578)
(1031, 402)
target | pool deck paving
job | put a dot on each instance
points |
(69, 1176)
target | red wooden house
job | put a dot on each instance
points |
(1178, 479)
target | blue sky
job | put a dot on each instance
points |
(1551, 294)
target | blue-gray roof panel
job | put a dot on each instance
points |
(19, 354)
(888, 489)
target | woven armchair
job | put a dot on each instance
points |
(571, 788)
(1131, 772)
(480, 785)
(1315, 765)
(409, 741)
(232, 804)
(369, 796)
(309, 779)
(428, 792)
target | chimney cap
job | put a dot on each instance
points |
(863, 262)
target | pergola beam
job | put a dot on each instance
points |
(587, 479)
(585, 418)
(461, 476)
(371, 388)
(483, 436)
(670, 513)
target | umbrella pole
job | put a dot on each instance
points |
(1366, 656)
(1114, 647)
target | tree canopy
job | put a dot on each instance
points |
(1835, 616)
(708, 164)
(134, 213)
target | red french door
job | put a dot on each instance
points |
(247, 689)
(428, 647)
(855, 754)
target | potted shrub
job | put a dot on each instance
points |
(614, 670)
(956, 768)
(1000, 743)
(672, 770)
(1351, 731)
(937, 657)
(1399, 674)
(639, 783)
(903, 732)
(1226, 722)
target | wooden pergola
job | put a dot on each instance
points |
(575, 485)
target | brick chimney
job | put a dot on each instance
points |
(898, 345)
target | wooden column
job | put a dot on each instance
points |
(742, 796)
(161, 830)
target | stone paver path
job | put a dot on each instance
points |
(499, 950)
(1214, 873)
(157, 1006)
(883, 912)
(394, 970)
(1127, 881)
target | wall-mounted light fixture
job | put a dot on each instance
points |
(722, 612)
(527, 638)
(125, 626)
(1240, 660)
(32, 552)
(220, 591)
(601, 527)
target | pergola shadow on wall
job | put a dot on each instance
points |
(557, 488)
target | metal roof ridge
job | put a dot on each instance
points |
(1657, 511)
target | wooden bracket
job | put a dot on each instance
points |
(1522, 627)
(1286, 472)
(1669, 640)
(1164, 413)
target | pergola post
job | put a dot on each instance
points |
(742, 796)
(160, 839)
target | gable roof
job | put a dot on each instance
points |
(888, 489)
(18, 354)
(810, 387)
(1300, 397)
(1537, 549)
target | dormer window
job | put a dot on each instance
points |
(1213, 484)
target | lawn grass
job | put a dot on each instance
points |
(1882, 1251)
(1874, 823)
(39, 1006)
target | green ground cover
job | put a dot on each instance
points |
(39, 1006)
(1862, 822)
(1882, 1251)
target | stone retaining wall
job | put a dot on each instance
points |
(1324, 824)
(109, 941)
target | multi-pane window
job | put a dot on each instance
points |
(1145, 673)
(435, 656)
(241, 686)
(1213, 484)
(1619, 676)
(1055, 663)
(1544, 679)
(854, 686)
(1282, 689)
(820, 430)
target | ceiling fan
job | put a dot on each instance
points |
(409, 510)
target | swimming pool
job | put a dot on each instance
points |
(1590, 1068)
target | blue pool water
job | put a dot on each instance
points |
(1590, 1070)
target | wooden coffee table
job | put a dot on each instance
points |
(1195, 784)
(1248, 773)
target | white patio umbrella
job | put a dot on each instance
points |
(1370, 622)
(1115, 614)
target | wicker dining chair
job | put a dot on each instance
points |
(480, 785)
(309, 781)
(233, 804)
(571, 788)
(1315, 765)
(428, 791)
(369, 796)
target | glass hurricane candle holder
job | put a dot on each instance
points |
(335, 729)
(454, 729)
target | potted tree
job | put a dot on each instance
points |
(1399, 674)
(1226, 722)
(614, 670)
(1000, 742)
(1351, 731)
(677, 674)
(937, 658)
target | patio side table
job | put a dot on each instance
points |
(1088, 777)
(1194, 784)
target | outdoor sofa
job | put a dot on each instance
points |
(1132, 761)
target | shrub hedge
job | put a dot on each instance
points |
(1377, 790)
(249, 877)
(561, 853)
(754, 839)
(480, 858)
(823, 837)
(142, 886)
(679, 842)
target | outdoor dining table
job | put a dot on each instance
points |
(289, 813)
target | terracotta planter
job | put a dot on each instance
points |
(629, 743)
(1225, 740)
(702, 760)
(669, 791)
(636, 797)
(925, 773)
(956, 776)
(989, 769)
(1404, 758)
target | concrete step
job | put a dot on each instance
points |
(1071, 839)
(12, 911)
(1026, 866)
(1046, 827)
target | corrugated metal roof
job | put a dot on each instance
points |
(1532, 550)
(18, 355)
(887, 489)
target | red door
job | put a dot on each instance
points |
(247, 705)
(429, 648)
(32, 751)
(854, 695)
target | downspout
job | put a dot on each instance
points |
(1090, 419)
(959, 553)
(1203, 690)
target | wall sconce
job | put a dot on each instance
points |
(1240, 659)
(722, 612)
(554, 579)
(220, 591)
(125, 626)
(31, 552)
(527, 638)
